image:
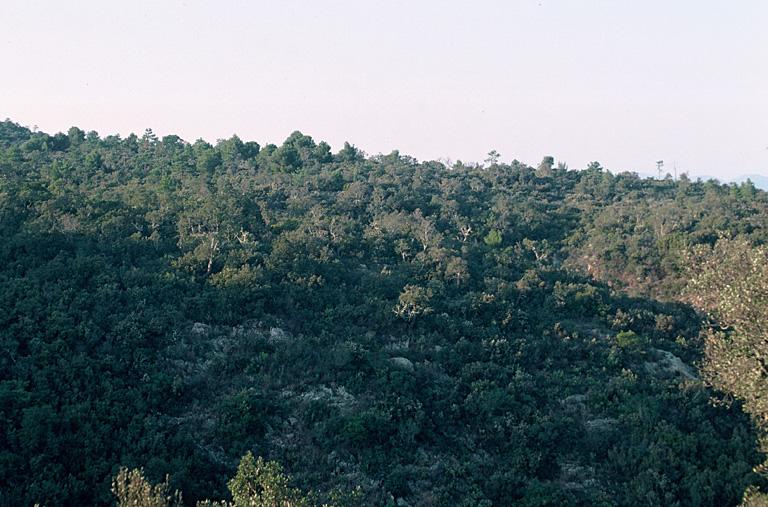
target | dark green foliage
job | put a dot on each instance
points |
(441, 336)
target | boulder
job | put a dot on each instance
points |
(668, 365)
(402, 363)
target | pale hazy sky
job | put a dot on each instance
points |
(625, 82)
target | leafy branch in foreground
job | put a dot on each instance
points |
(257, 483)
(133, 490)
(730, 283)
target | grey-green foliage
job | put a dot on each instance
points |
(257, 483)
(260, 483)
(503, 291)
(132, 489)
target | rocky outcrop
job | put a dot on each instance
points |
(402, 363)
(666, 365)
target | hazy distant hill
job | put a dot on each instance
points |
(760, 181)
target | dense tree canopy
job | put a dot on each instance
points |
(425, 334)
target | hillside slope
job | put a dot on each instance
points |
(434, 335)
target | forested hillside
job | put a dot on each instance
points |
(388, 331)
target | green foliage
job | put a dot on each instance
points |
(493, 238)
(730, 282)
(419, 334)
(133, 490)
(628, 340)
(412, 302)
(260, 483)
(257, 483)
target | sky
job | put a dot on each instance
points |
(622, 82)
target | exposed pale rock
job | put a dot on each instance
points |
(277, 335)
(575, 399)
(574, 475)
(602, 424)
(338, 397)
(200, 329)
(402, 363)
(668, 365)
